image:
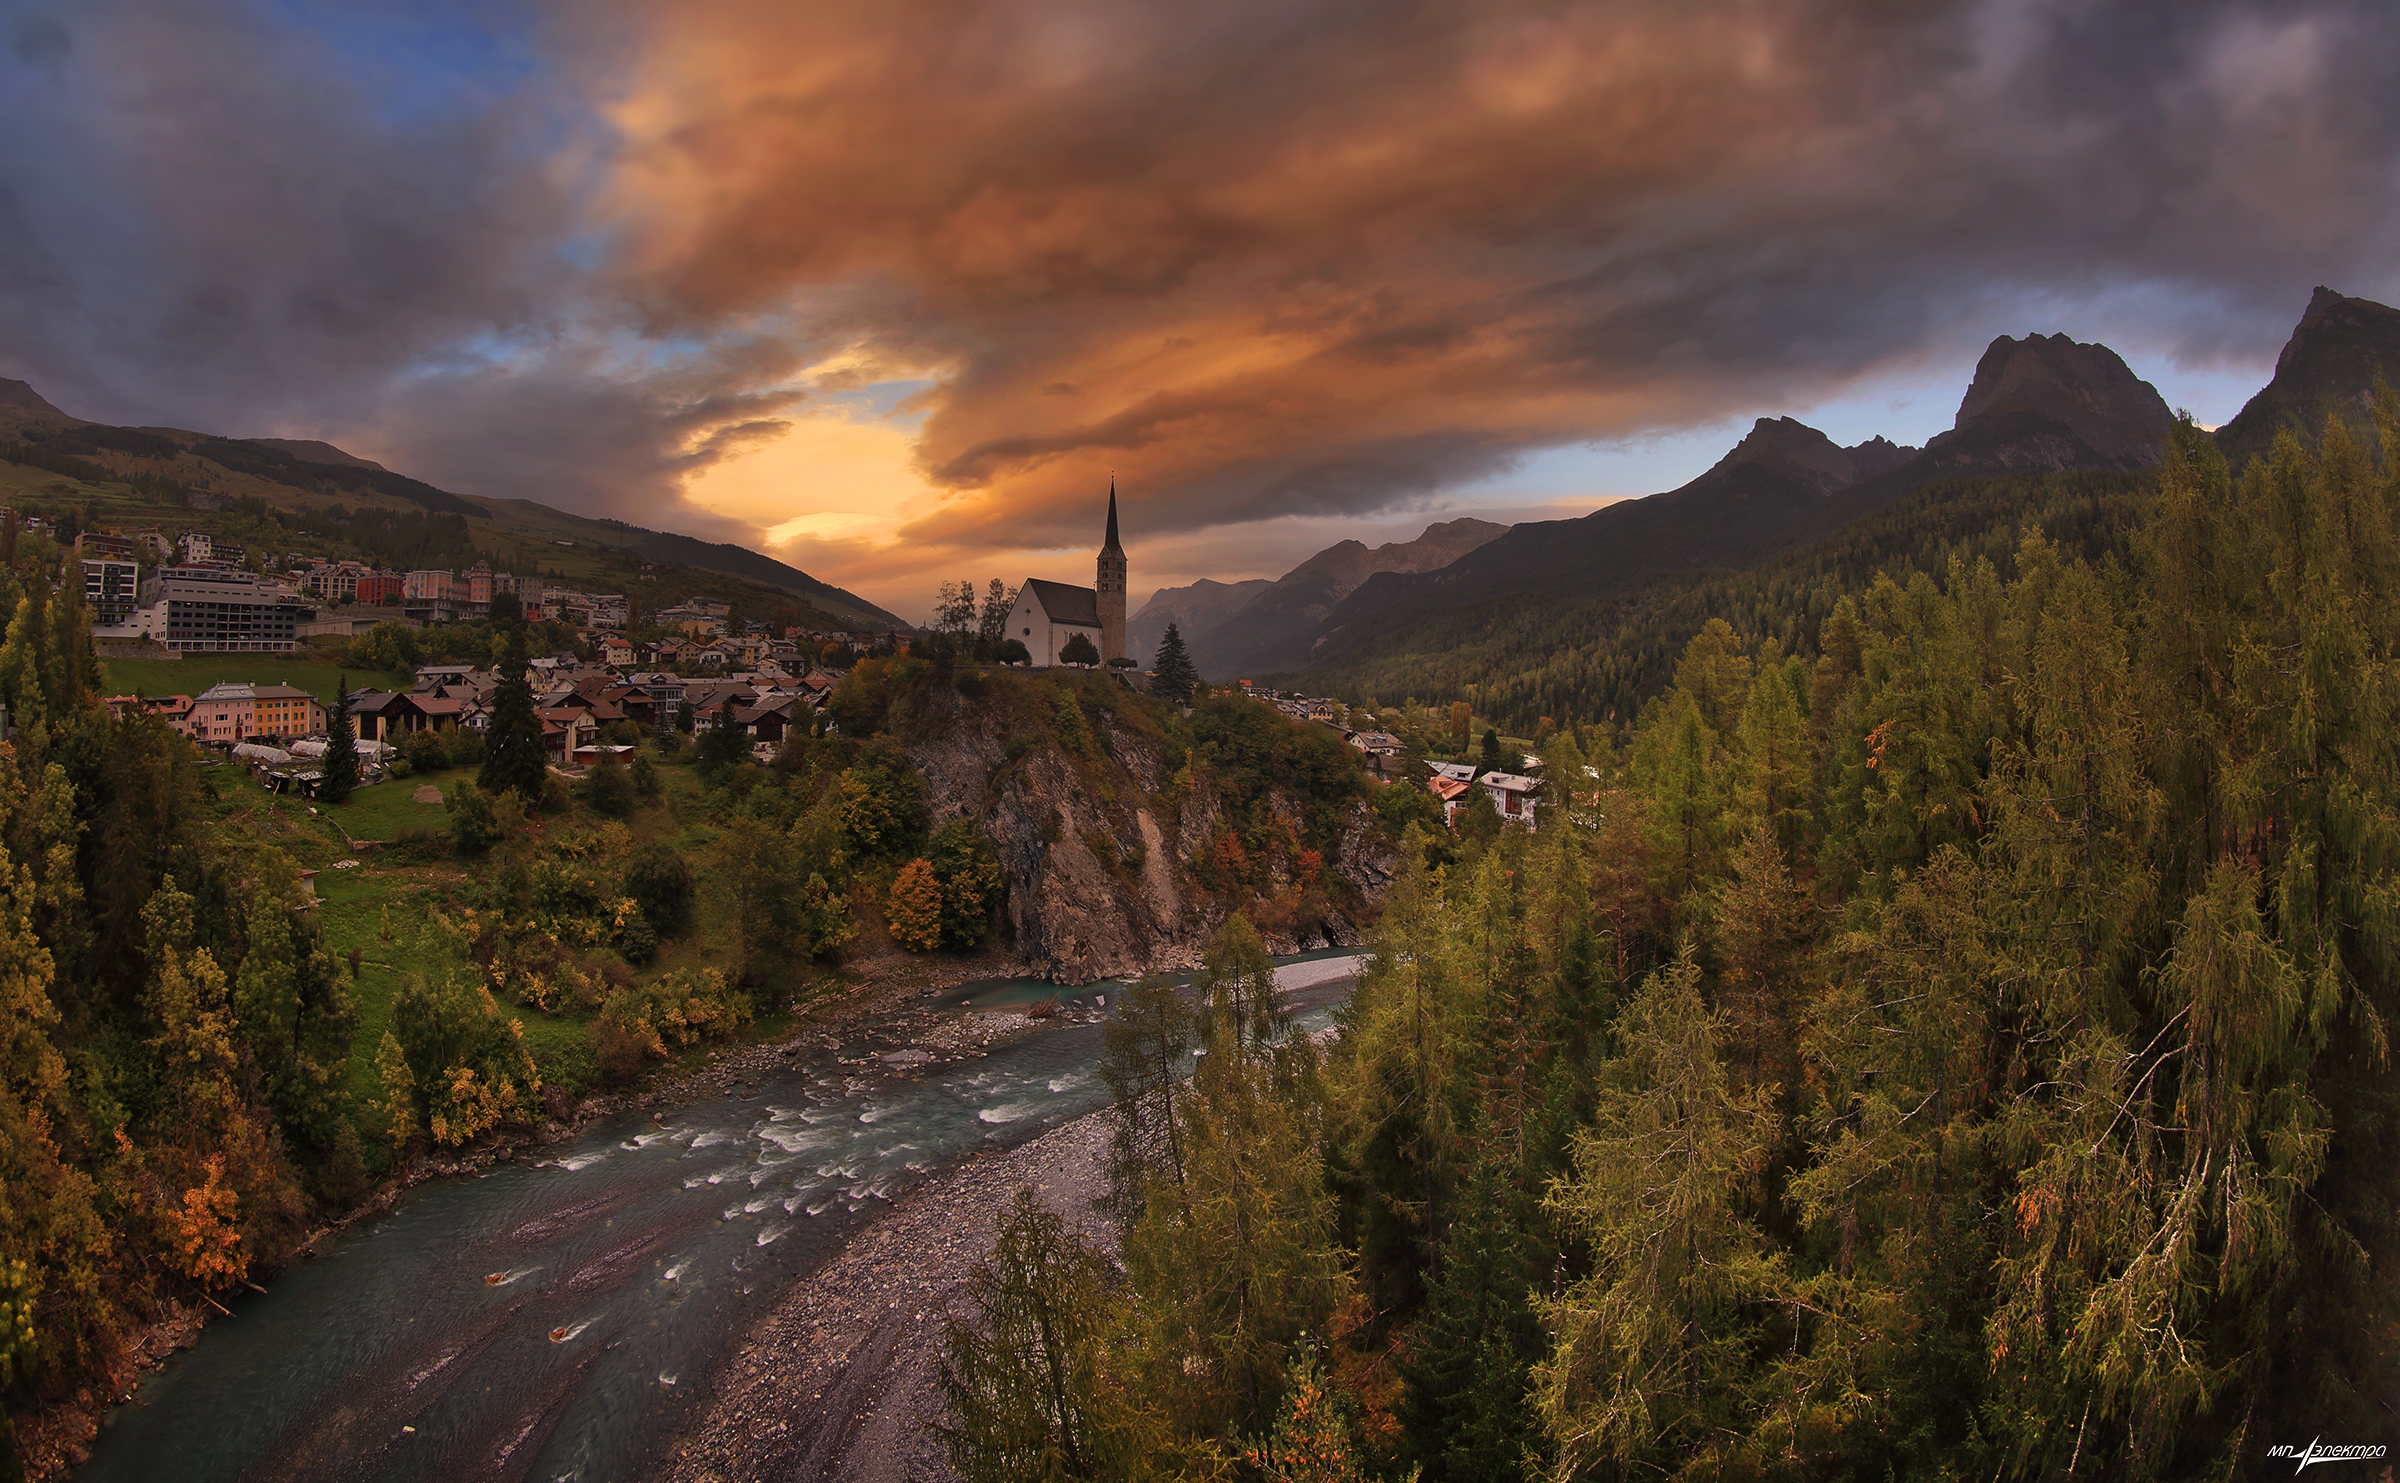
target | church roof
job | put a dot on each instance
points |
(1110, 546)
(1061, 603)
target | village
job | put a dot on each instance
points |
(689, 668)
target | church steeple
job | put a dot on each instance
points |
(1110, 589)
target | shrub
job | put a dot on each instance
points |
(971, 884)
(618, 1051)
(680, 1010)
(473, 828)
(609, 790)
(825, 924)
(469, 1066)
(660, 881)
(1074, 732)
(421, 843)
(882, 803)
(637, 940)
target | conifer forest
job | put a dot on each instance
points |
(1964, 1052)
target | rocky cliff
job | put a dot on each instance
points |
(2328, 368)
(1104, 842)
(2087, 389)
(1790, 448)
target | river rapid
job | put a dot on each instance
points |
(549, 1319)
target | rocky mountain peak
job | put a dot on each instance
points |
(1789, 446)
(2328, 368)
(2087, 388)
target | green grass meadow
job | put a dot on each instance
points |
(194, 673)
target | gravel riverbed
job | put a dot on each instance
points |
(838, 1381)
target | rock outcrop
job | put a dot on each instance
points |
(2087, 389)
(2328, 368)
(1098, 848)
(1790, 448)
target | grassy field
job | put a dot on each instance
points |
(383, 901)
(195, 673)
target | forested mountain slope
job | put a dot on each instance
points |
(179, 468)
(2039, 405)
(1962, 1055)
(1526, 658)
(1189, 609)
(1262, 633)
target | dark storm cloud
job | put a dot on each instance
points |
(1257, 257)
(1317, 257)
(208, 219)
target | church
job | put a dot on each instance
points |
(1050, 615)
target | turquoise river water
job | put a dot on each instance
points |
(546, 1320)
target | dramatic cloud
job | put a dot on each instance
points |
(902, 283)
(1274, 258)
(210, 217)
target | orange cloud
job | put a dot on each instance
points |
(1263, 259)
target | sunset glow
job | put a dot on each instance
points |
(1267, 266)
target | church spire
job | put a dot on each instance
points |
(1109, 590)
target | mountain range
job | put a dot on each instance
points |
(1189, 610)
(283, 470)
(2037, 405)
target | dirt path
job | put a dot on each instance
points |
(838, 1381)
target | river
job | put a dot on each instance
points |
(545, 1319)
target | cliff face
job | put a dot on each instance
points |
(2328, 368)
(1099, 847)
(2087, 389)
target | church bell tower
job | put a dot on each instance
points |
(1111, 587)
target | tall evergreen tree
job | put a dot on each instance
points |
(512, 759)
(1173, 677)
(341, 749)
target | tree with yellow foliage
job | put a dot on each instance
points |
(914, 907)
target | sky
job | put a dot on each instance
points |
(893, 289)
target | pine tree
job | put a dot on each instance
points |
(1774, 752)
(1716, 674)
(339, 772)
(1173, 677)
(1652, 1343)
(513, 760)
(1027, 1395)
(1148, 1039)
